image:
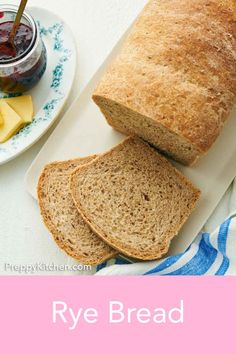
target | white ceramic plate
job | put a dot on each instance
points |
(84, 131)
(50, 94)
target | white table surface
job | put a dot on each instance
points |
(97, 25)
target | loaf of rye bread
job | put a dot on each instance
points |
(63, 220)
(174, 81)
(134, 199)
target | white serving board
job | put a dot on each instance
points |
(84, 131)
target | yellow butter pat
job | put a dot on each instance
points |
(1, 120)
(12, 122)
(23, 106)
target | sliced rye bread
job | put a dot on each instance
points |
(63, 220)
(134, 199)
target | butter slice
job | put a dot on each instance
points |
(12, 122)
(23, 106)
(1, 120)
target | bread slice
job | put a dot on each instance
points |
(173, 81)
(134, 199)
(62, 219)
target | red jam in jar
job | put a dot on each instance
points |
(21, 67)
(22, 40)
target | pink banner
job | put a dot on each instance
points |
(117, 315)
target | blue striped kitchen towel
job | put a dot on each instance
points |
(212, 253)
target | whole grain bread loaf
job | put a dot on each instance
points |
(63, 220)
(134, 199)
(174, 80)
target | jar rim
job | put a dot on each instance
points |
(34, 41)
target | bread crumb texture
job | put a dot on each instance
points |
(63, 220)
(134, 199)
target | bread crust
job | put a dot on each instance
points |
(87, 260)
(128, 251)
(178, 67)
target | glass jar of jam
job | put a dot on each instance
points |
(24, 65)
